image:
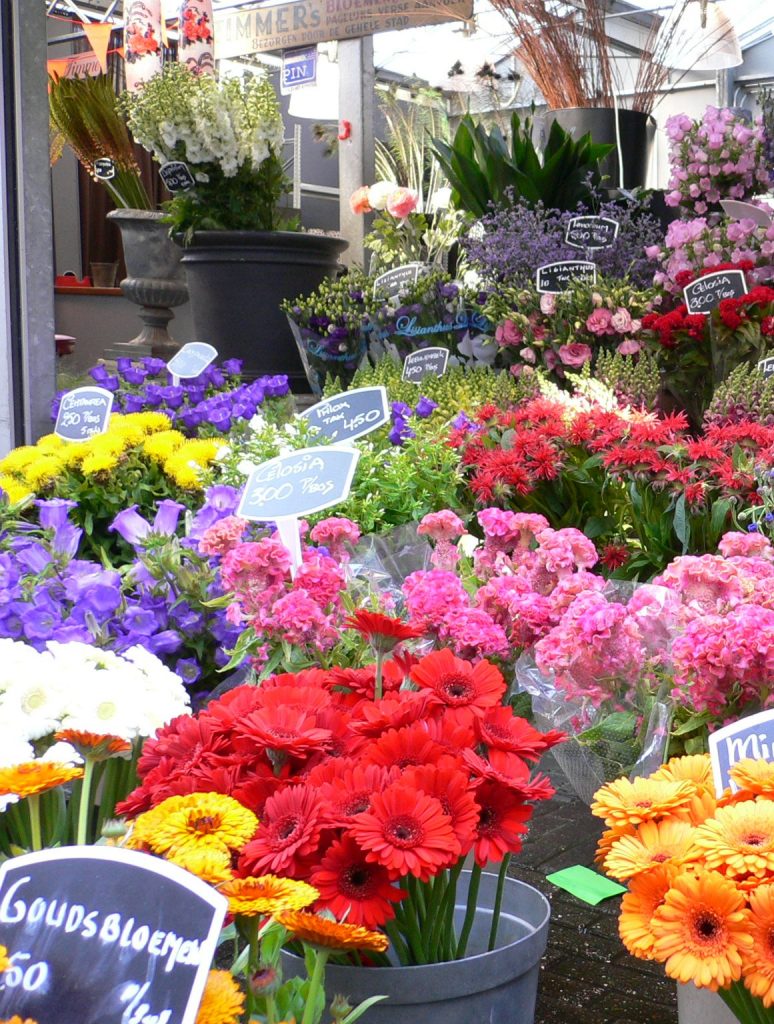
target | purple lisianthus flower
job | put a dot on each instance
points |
(54, 512)
(425, 407)
(188, 669)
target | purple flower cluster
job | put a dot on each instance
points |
(213, 401)
(520, 238)
(46, 593)
(401, 413)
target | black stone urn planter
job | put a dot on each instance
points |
(236, 282)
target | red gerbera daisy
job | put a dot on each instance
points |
(453, 737)
(381, 631)
(511, 773)
(449, 783)
(467, 690)
(289, 830)
(501, 824)
(406, 831)
(287, 731)
(501, 729)
(301, 698)
(372, 718)
(403, 747)
(354, 888)
(351, 792)
(363, 680)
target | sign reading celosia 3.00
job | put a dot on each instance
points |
(83, 413)
(283, 26)
(299, 483)
(749, 737)
(105, 936)
(702, 295)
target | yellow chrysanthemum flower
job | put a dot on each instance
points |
(130, 433)
(99, 462)
(15, 489)
(185, 473)
(222, 1002)
(51, 443)
(267, 895)
(73, 454)
(739, 840)
(148, 422)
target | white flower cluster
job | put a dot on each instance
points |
(194, 118)
(76, 686)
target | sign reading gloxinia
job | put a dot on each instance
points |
(85, 949)
(302, 22)
(749, 737)
(351, 414)
(299, 483)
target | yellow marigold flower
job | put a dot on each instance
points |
(740, 839)
(161, 445)
(654, 842)
(5, 960)
(624, 802)
(321, 931)
(19, 458)
(702, 930)
(758, 966)
(691, 768)
(646, 893)
(267, 895)
(754, 777)
(15, 490)
(43, 472)
(222, 1002)
(32, 777)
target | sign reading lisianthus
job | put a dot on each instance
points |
(229, 135)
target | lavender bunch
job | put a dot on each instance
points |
(518, 239)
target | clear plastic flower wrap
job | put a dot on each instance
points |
(602, 676)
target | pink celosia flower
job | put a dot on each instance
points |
(336, 533)
(320, 577)
(256, 564)
(298, 620)
(706, 583)
(430, 595)
(472, 634)
(443, 525)
(745, 544)
(222, 536)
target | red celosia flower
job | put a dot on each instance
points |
(403, 747)
(288, 731)
(381, 631)
(406, 831)
(353, 887)
(450, 784)
(501, 824)
(501, 729)
(289, 830)
(467, 690)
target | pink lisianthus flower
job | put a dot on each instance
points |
(599, 321)
(507, 333)
(402, 202)
(548, 303)
(575, 354)
(621, 320)
(628, 347)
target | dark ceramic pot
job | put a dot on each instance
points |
(636, 129)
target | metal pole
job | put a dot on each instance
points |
(356, 154)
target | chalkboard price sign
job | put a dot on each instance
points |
(391, 283)
(83, 413)
(766, 366)
(192, 359)
(177, 176)
(553, 278)
(591, 232)
(425, 362)
(351, 414)
(749, 737)
(104, 168)
(702, 295)
(299, 483)
(105, 936)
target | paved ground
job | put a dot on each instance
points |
(587, 976)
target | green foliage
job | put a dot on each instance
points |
(484, 170)
(406, 157)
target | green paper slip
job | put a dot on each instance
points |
(587, 885)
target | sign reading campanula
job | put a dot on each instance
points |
(303, 22)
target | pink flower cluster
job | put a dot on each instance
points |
(305, 611)
(608, 322)
(719, 157)
(693, 245)
(525, 575)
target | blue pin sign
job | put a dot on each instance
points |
(192, 359)
(351, 414)
(85, 950)
(83, 413)
(299, 483)
(425, 362)
(177, 176)
(749, 737)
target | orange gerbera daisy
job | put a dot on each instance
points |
(93, 745)
(754, 777)
(33, 777)
(222, 1002)
(739, 839)
(465, 691)
(607, 840)
(702, 929)
(321, 931)
(623, 802)
(646, 893)
(266, 895)
(654, 842)
(691, 768)
(758, 967)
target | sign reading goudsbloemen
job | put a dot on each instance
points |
(302, 22)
